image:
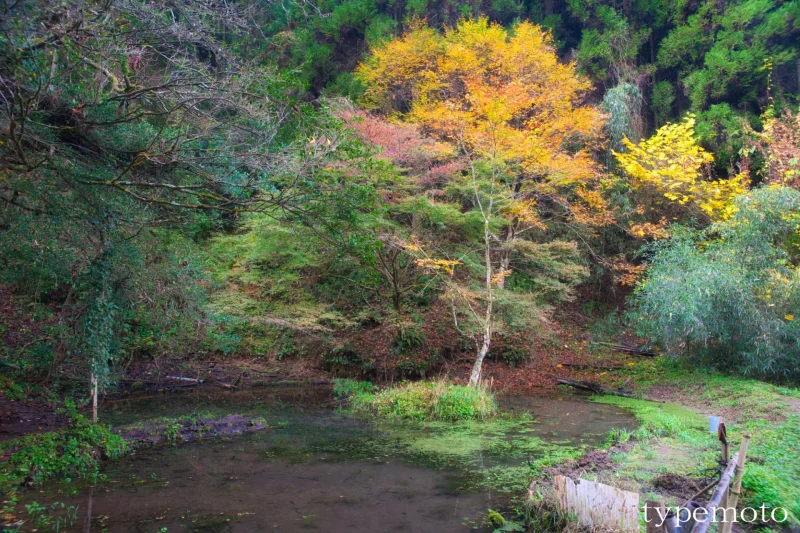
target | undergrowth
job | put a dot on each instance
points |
(64, 454)
(422, 400)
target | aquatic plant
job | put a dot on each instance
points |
(428, 400)
(344, 388)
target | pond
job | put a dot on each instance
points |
(318, 468)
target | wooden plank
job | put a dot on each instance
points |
(597, 505)
(736, 488)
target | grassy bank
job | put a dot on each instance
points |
(421, 400)
(674, 436)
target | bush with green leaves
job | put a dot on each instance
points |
(344, 388)
(347, 360)
(429, 400)
(63, 454)
(726, 296)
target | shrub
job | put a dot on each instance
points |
(72, 452)
(343, 388)
(511, 354)
(426, 400)
(726, 296)
(346, 360)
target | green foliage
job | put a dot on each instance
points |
(623, 103)
(608, 51)
(345, 359)
(344, 388)
(722, 55)
(726, 296)
(764, 411)
(659, 420)
(42, 518)
(63, 454)
(662, 100)
(765, 481)
(494, 519)
(726, 132)
(429, 401)
(548, 271)
(512, 352)
(110, 179)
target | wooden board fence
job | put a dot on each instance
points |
(597, 505)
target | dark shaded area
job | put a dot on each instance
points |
(19, 418)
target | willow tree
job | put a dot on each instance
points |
(516, 114)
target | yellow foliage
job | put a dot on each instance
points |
(499, 95)
(672, 163)
(437, 264)
(648, 229)
(499, 277)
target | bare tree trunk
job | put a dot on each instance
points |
(475, 375)
(88, 525)
(505, 262)
(94, 397)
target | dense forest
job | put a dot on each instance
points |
(196, 178)
(396, 190)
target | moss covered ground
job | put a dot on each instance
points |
(674, 436)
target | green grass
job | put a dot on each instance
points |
(422, 400)
(344, 388)
(660, 419)
(767, 412)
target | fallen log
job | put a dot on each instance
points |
(185, 429)
(633, 350)
(578, 366)
(597, 388)
(187, 380)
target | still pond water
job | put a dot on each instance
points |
(320, 469)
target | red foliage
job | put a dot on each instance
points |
(403, 144)
(438, 174)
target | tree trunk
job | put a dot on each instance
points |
(549, 7)
(475, 375)
(88, 525)
(798, 73)
(94, 398)
(505, 259)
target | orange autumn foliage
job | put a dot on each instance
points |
(497, 95)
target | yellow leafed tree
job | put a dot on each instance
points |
(516, 114)
(498, 94)
(671, 163)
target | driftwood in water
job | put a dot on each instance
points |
(193, 381)
(633, 350)
(152, 432)
(597, 388)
